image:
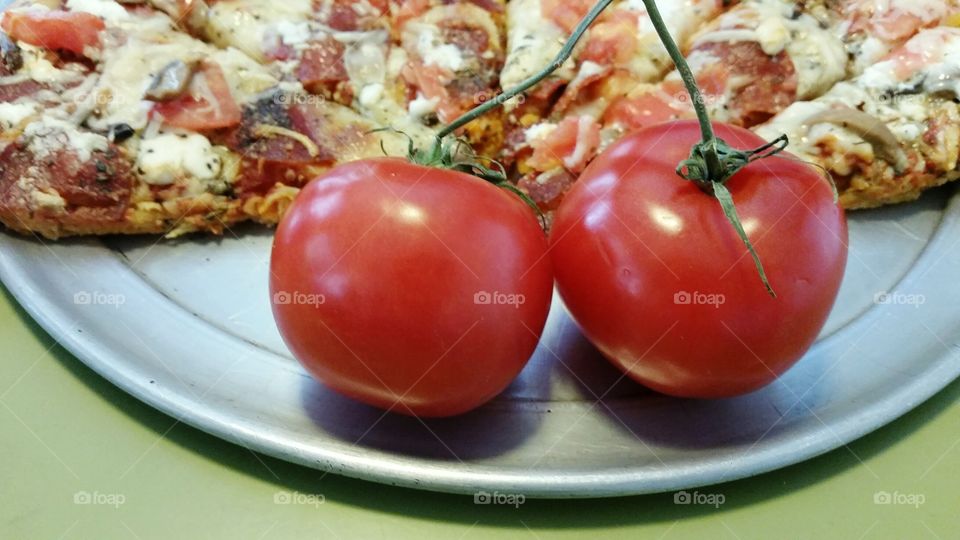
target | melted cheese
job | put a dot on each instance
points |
(294, 33)
(420, 107)
(818, 54)
(108, 10)
(247, 24)
(682, 18)
(166, 158)
(38, 68)
(433, 50)
(879, 93)
(48, 135)
(532, 43)
(14, 114)
(128, 70)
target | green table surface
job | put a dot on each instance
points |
(81, 459)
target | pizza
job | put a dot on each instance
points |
(174, 116)
(752, 61)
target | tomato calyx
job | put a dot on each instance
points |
(712, 161)
(696, 168)
(457, 155)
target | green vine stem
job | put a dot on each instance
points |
(712, 161)
(533, 80)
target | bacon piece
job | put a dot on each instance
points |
(571, 145)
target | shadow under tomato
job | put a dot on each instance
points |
(486, 432)
(567, 367)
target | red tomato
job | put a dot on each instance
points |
(413, 289)
(658, 280)
(54, 30)
(208, 103)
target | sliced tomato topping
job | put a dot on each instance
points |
(565, 13)
(322, 64)
(648, 105)
(55, 30)
(571, 145)
(207, 104)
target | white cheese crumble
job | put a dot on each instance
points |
(37, 67)
(13, 114)
(539, 131)
(294, 33)
(435, 52)
(421, 107)
(371, 94)
(167, 157)
(773, 35)
(51, 200)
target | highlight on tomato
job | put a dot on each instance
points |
(661, 283)
(415, 289)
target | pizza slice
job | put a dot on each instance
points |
(890, 133)
(113, 122)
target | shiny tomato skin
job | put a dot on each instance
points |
(54, 30)
(415, 267)
(658, 280)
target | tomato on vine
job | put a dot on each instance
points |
(701, 270)
(415, 289)
(659, 281)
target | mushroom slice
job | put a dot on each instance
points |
(871, 128)
(172, 81)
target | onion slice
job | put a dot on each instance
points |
(870, 128)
